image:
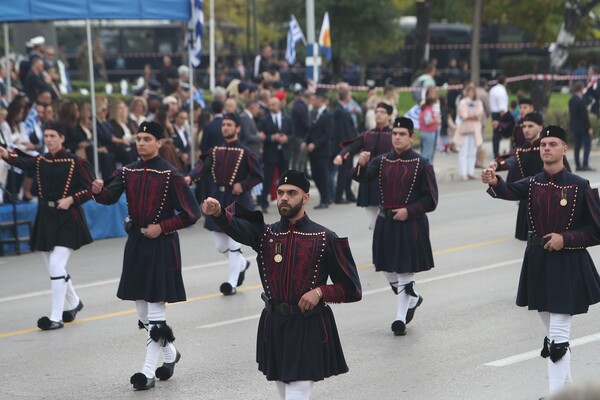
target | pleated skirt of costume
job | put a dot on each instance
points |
(562, 282)
(368, 194)
(152, 269)
(522, 227)
(54, 227)
(295, 348)
(402, 246)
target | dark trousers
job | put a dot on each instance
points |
(106, 162)
(496, 136)
(269, 171)
(344, 182)
(319, 166)
(584, 140)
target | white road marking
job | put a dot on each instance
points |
(100, 283)
(517, 358)
(230, 321)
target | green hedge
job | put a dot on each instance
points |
(522, 65)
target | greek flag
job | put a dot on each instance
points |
(294, 36)
(197, 26)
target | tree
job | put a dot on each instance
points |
(422, 33)
(574, 13)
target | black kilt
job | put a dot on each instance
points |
(152, 269)
(402, 246)
(295, 348)
(562, 282)
(54, 227)
(522, 227)
(368, 194)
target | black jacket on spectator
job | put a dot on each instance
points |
(249, 133)
(579, 121)
(212, 135)
(321, 133)
(300, 119)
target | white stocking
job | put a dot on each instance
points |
(232, 249)
(372, 213)
(156, 313)
(558, 328)
(404, 299)
(56, 261)
(297, 390)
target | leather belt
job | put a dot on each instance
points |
(131, 228)
(51, 203)
(388, 212)
(287, 309)
(535, 240)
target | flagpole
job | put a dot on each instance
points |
(7, 64)
(93, 97)
(310, 33)
(192, 40)
(212, 45)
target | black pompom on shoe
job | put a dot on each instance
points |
(69, 315)
(141, 382)
(166, 371)
(242, 275)
(399, 328)
(227, 289)
(46, 324)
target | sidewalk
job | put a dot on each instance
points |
(446, 165)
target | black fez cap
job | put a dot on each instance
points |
(232, 117)
(152, 128)
(554, 131)
(534, 117)
(388, 108)
(525, 101)
(55, 126)
(403, 122)
(296, 178)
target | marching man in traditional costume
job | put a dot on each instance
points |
(228, 174)
(558, 276)
(64, 182)
(401, 244)
(297, 342)
(152, 261)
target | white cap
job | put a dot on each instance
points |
(36, 41)
(183, 70)
(170, 100)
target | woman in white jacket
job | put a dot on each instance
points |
(468, 136)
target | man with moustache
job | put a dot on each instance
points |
(524, 162)
(297, 341)
(228, 173)
(558, 277)
(377, 141)
(401, 244)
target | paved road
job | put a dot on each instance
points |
(467, 341)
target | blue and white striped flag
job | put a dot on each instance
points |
(197, 26)
(294, 36)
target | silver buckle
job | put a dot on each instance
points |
(51, 204)
(143, 230)
(221, 188)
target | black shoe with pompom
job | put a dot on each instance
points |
(46, 324)
(141, 382)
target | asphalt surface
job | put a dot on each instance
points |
(468, 340)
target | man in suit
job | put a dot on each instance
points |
(249, 129)
(318, 144)
(212, 131)
(344, 130)
(300, 126)
(181, 138)
(274, 129)
(579, 124)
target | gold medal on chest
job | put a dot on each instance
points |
(563, 197)
(278, 257)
